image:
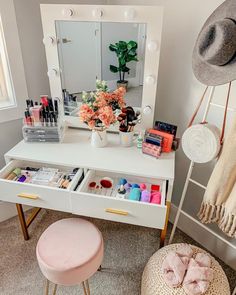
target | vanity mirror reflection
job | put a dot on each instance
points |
(118, 44)
(114, 52)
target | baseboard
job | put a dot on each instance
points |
(210, 240)
(8, 210)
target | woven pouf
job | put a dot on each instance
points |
(154, 284)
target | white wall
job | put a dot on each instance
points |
(178, 91)
(112, 33)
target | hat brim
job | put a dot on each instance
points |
(210, 74)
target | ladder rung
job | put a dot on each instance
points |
(222, 107)
(197, 183)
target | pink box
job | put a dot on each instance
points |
(151, 149)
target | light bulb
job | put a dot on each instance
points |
(52, 73)
(67, 12)
(130, 14)
(147, 110)
(97, 12)
(150, 80)
(152, 46)
(48, 40)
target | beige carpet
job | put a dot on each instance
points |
(127, 250)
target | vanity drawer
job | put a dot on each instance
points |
(33, 194)
(121, 210)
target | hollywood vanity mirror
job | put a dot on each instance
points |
(81, 43)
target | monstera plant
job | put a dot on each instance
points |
(125, 52)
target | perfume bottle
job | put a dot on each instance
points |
(140, 140)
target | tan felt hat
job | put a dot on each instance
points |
(214, 55)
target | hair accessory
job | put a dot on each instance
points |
(156, 198)
(214, 59)
(145, 196)
(122, 181)
(142, 186)
(128, 187)
(135, 194)
(155, 187)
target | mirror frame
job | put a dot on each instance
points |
(152, 16)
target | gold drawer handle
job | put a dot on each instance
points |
(115, 211)
(28, 196)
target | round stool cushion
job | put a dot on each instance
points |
(70, 251)
(154, 284)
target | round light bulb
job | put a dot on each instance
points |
(67, 12)
(147, 110)
(48, 40)
(52, 73)
(130, 14)
(97, 12)
(150, 80)
(152, 46)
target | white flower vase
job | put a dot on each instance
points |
(99, 138)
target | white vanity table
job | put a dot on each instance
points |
(68, 29)
(113, 161)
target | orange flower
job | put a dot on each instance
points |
(106, 116)
(86, 113)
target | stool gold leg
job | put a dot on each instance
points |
(87, 286)
(47, 287)
(55, 289)
(84, 287)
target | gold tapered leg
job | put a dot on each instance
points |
(87, 286)
(26, 223)
(84, 288)
(55, 289)
(164, 231)
(47, 287)
(22, 221)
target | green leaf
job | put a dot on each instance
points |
(113, 69)
(122, 45)
(122, 61)
(132, 52)
(131, 58)
(132, 45)
(125, 69)
(113, 47)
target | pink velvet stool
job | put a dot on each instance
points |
(69, 252)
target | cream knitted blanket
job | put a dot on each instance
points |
(219, 203)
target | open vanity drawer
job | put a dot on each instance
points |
(104, 203)
(34, 194)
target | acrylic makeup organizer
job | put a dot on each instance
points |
(44, 133)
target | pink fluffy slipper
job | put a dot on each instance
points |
(199, 275)
(175, 265)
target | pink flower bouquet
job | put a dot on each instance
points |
(99, 108)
